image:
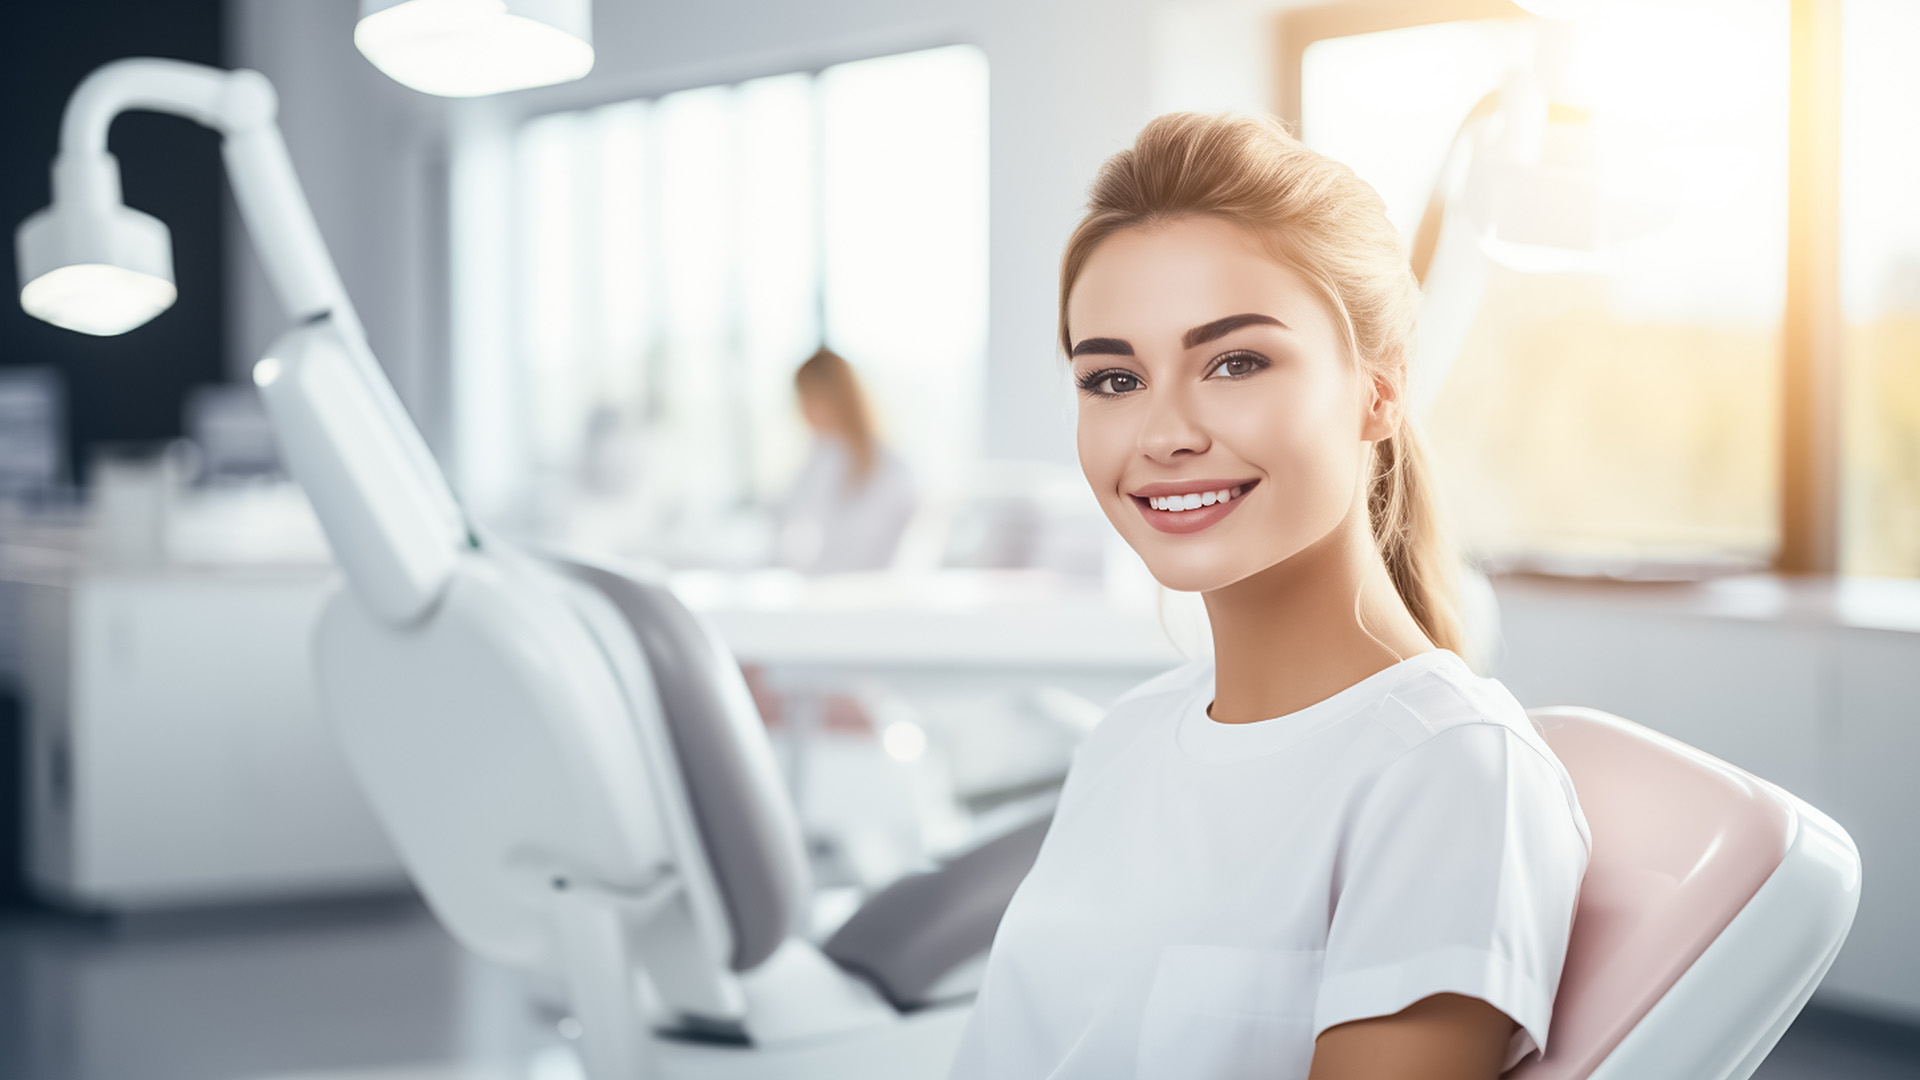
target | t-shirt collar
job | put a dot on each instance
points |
(1209, 741)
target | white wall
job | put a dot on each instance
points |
(369, 153)
(1071, 81)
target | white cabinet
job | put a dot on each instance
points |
(175, 750)
(1874, 751)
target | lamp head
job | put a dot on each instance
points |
(1551, 193)
(88, 262)
(465, 48)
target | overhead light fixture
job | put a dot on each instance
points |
(466, 48)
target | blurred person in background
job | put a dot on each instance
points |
(853, 496)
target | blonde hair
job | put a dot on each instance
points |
(827, 378)
(1314, 215)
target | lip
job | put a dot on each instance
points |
(1189, 521)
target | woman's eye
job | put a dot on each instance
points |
(1110, 383)
(1239, 365)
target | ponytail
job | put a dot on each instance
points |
(1404, 512)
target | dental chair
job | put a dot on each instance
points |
(574, 773)
(576, 777)
(1713, 905)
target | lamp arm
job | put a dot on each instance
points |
(242, 105)
(1447, 265)
(194, 91)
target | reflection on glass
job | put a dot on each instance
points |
(1880, 287)
(1625, 411)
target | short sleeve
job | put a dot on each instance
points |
(1459, 875)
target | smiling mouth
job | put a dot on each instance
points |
(1171, 509)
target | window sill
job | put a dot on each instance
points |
(1863, 603)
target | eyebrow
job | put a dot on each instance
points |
(1199, 335)
(1103, 346)
(1220, 328)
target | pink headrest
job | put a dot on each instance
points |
(1681, 842)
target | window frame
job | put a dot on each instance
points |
(1812, 327)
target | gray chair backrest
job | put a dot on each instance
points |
(740, 804)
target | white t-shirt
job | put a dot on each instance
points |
(1212, 896)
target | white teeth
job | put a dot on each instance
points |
(1194, 500)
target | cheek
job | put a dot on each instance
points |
(1103, 443)
(1294, 432)
(1303, 438)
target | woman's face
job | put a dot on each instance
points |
(1214, 379)
(818, 412)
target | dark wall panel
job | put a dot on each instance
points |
(128, 388)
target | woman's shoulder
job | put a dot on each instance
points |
(1179, 683)
(1446, 695)
(1158, 701)
(1449, 718)
(1162, 697)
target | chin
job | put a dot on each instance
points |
(1193, 571)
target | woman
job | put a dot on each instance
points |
(1331, 851)
(853, 496)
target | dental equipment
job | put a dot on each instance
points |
(90, 263)
(566, 758)
(1523, 185)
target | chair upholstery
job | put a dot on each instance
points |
(914, 932)
(1681, 842)
(740, 804)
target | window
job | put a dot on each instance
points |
(1880, 288)
(1616, 411)
(679, 257)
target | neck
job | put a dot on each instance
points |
(1307, 628)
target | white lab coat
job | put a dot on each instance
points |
(833, 521)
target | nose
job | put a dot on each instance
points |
(1169, 430)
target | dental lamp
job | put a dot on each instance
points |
(1521, 186)
(92, 264)
(465, 48)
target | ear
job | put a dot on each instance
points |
(1383, 405)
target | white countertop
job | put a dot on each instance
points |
(954, 618)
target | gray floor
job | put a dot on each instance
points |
(375, 985)
(251, 993)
